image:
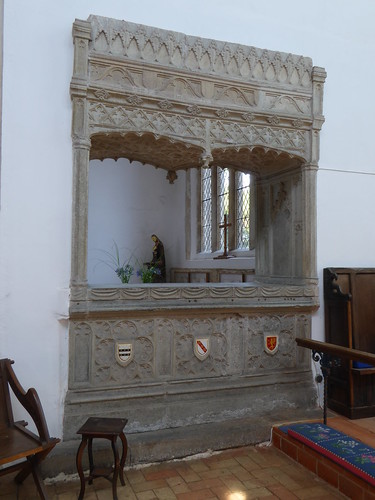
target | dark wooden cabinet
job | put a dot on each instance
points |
(349, 310)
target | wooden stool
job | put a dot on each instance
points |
(107, 428)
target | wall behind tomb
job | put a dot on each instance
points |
(36, 169)
(127, 204)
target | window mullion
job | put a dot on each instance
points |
(253, 203)
(232, 210)
(214, 208)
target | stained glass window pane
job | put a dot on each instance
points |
(206, 202)
(223, 200)
(243, 210)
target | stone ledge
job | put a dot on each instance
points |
(169, 444)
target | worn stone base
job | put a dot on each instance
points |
(168, 444)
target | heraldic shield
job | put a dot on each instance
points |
(124, 353)
(201, 348)
(271, 344)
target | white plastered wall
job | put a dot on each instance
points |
(36, 170)
(127, 204)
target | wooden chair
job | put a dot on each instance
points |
(16, 442)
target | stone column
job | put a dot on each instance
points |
(309, 172)
(318, 78)
(81, 152)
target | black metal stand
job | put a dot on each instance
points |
(326, 361)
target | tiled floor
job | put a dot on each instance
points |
(239, 474)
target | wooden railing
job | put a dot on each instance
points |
(330, 355)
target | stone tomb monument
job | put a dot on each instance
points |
(170, 356)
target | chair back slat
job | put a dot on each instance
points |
(6, 414)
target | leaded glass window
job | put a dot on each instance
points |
(223, 200)
(225, 191)
(242, 210)
(206, 204)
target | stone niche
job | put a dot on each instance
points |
(181, 102)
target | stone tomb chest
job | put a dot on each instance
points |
(186, 354)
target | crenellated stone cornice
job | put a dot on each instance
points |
(197, 55)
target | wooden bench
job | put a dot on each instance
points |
(349, 309)
(21, 449)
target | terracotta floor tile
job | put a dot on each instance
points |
(69, 495)
(181, 488)
(190, 477)
(149, 485)
(264, 477)
(289, 482)
(175, 480)
(224, 464)
(134, 476)
(241, 473)
(233, 484)
(146, 495)
(205, 483)
(315, 492)
(197, 495)
(256, 483)
(160, 474)
(210, 474)
(258, 493)
(165, 494)
(199, 467)
(281, 492)
(125, 493)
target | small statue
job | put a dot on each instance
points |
(158, 261)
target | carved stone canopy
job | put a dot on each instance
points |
(176, 155)
(177, 101)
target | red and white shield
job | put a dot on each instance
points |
(201, 348)
(271, 344)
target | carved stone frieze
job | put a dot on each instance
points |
(197, 296)
(135, 100)
(249, 117)
(128, 119)
(226, 133)
(116, 121)
(115, 76)
(163, 347)
(102, 94)
(177, 86)
(152, 45)
(282, 103)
